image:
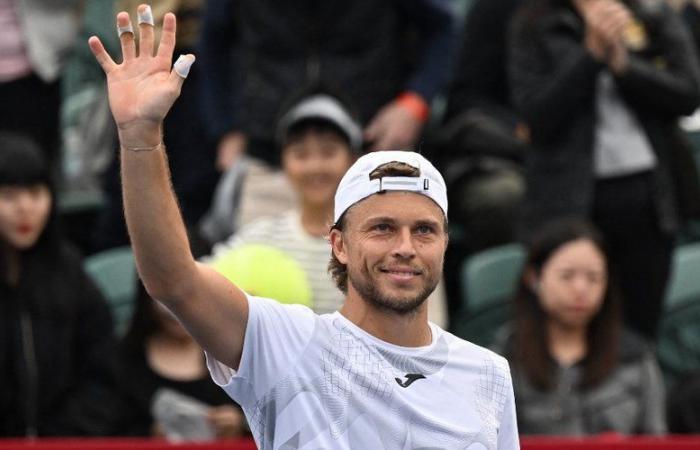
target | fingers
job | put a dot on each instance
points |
(181, 69)
(167, 38)
(126, 36)
(146, 30)
(101, 54)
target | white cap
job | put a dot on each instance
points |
(323, 107)
(356, 184)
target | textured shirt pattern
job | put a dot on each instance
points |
(307, 381)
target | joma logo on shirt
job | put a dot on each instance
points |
(410, 378)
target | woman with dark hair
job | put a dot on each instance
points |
(601, 85)
(163, 374)
(576, 370)
(56, 340)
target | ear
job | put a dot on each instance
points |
(532, 280)
(338, 245)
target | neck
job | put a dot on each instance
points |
(405, 330)
(568, 345)
(316, 220)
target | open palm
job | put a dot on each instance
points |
(142, 88)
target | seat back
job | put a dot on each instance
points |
(489, 279)
(684, 284)
(679, 328)
(491, 276)
(114, 273)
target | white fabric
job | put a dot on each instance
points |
(621, 146)
(322, 107)
(308, 382)
(14, 62)
(356, 184)
(50, 29)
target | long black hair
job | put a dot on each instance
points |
(44, 265)
(144, 324)
(530, 340)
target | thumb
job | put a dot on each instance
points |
(181, 69)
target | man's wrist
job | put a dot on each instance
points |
(140, 135)
(415, 105)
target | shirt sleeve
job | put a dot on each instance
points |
(508, 429)
(654, 398)
(276, 336)
(438, 24)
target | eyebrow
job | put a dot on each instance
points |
(420, 222)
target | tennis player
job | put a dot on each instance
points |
(374, 375)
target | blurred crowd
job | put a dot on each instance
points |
(565, 126)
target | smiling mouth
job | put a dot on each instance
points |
(402, 272)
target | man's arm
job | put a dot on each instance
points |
(142, 90)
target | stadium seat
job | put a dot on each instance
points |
(114, 273)
(679, 328)
(489, 279)
(684, 285)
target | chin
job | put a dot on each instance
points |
(24, 243)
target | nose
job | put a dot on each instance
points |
(24, 202)
(581, 284)
(404, 247)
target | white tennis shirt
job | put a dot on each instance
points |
(308, 381)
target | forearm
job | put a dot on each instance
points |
(156, 229)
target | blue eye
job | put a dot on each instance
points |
(424, 229)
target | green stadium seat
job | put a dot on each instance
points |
(684, 285)
(114, 273)
(679, 329)
(489, 279)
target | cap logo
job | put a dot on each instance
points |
(426, 184)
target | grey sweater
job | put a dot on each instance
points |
(630, 401)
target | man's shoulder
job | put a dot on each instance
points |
(475, 352)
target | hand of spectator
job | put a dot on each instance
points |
(394, 127)
(228, 421)
(231, 147)
(605, 22)
(142, 88)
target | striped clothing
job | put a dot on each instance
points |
(312, 253)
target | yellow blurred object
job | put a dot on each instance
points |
(635, 36)
(264, 271)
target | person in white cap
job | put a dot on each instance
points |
(376, 374)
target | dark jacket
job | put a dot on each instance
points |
(630, 400)
(139, 383)
(56, 350)
(553, 80)
(254, 54)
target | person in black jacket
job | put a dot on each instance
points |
(358, 48)
(56, 340)
(157, 356)
(601, 85)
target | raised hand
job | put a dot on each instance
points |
(142, 89)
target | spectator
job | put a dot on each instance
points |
(319, 140)
(57, 344)
(35, 40)
(601, 85)
(482, 143)
(391, 58)
(576, 370)
(157, 355)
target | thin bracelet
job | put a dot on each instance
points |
(142, 149)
